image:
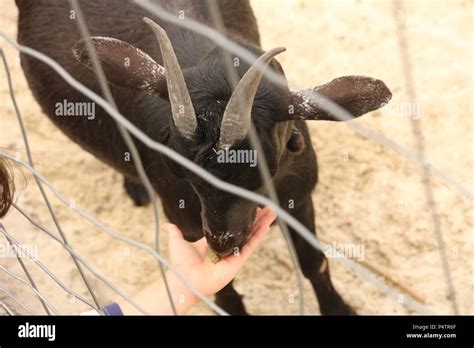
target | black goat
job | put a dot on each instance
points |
(182, 97)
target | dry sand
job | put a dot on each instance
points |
(368, 194)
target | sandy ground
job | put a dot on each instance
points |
(368, 194)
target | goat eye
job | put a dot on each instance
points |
(296, 142)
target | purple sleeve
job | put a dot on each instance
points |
(112, 309)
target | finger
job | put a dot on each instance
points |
(259, 213)
(266, 217)
(179, 249)
(174, 235)
(201, 246)
(171, 230)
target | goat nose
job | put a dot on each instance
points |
(221, 243)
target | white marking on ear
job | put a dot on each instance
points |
(305, 96)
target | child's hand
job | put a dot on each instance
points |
(193, 262)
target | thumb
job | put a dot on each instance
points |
(172, 231)
(175, 239)
(180, 250)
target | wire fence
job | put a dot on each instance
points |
(217, 35)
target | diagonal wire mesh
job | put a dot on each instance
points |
(305, 233)
(43, 194)
(8, 310)
(28, 275)
(418, 134)
(45, 269)
(229, 45)
(28, 284)
(78, 257)
(17, 301)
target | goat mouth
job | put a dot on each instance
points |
(224, 244)
(225, 250)
(222, 254)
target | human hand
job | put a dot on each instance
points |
(193, 262)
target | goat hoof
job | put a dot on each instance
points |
(339, 310)
(137, 192)
(232, 308)
(231, 302)
(350, 311)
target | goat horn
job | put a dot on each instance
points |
(237, 115)
(184, 117)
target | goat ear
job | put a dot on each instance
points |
(124, 65)
(357, 94)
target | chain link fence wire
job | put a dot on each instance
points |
(27, 273)
(127, 127)
(420, 145)
(44, 268)
(76, 255)
(43, 194)
(17, 301)
(8, 310)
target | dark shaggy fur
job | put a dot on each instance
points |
(45, 26)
